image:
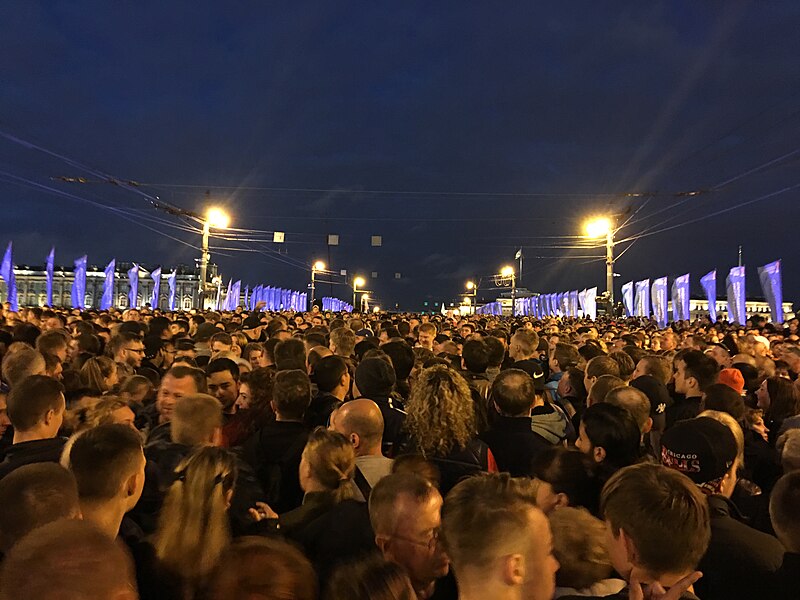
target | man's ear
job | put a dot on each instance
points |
(599, 454)
(630, 548)
(513, 569)
(648, 426)
(355, 440)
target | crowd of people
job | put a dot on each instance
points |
(277, 456)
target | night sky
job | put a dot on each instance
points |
(457, 131)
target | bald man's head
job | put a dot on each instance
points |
(361, 422)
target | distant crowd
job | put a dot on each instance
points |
(279, 456)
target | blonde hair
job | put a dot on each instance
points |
(95, 371)
(441, 415)
(332, 460)
(735, 428)
(193, 528)
(579, 547)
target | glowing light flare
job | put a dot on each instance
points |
(358, 281)
(217, 218)
(599, 227)
(319, 266)
(507, 271)
(470, 285)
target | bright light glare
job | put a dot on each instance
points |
(358, 281)
(319, 266)
(217, 218)
(470, 285)
(365, 297)
(599, 227)
(507, 271)
(377, 309)
(467, 301)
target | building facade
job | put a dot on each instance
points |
(32, 287)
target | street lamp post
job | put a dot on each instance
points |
(508, 272)
(217, 218)
(598, 228)
(317, 266)
(357, 282)
(472, 292)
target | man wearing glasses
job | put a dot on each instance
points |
(405, 511)
(127, 350)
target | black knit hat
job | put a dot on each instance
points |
(375, 378)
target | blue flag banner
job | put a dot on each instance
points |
(172, 280)
(246, 301)
(680, 298)
(49, 276)
(642, 301)
(226, 303)
(735, 285)
(79, 284)
(709, 283)
(7, 273)
(235, 294)
(156, 277)
(133, 282)
(770, 276)
(658, 294)
(107, 301)
(573, 303)
(627, 298)
(590, 300)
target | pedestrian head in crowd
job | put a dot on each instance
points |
(179, 381)
(193, 528)
(223, 382)
(788, 447)
(784, 511)
(342, 342)
(724, 398)
(327, 464)
(99, 373)
(371, 578)
(375, 378)
(67, 560)
(780, 401)
(108, 465)
(657, 526)
(598, 366)
(602, 386)
(610, 435)
(566, 478)
(197, 420)
(290, 354)
(137, 389)
(263, 569)
(498, 540)
(36, 408)
(405, 512)
(694, 372)
(21, 361)
(102, 411)
(654, 366)
(625, 364)
(35, 495)
(635, 402)
(579, 547)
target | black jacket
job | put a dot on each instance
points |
(460, 463)
(514, 444)
(162, 460)
(394, 417)
(786, 581)
(740, 560)
(28, 453)
(682, 409)
(274, 454)
(320, 409)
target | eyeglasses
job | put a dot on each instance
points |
(430, 544)
(135, 350)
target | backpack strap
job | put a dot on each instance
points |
(361, 483)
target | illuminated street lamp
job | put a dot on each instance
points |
(315, 268)
(218, 219)
(470, 294)
(357, 283)
(506, 273)
(598, 228)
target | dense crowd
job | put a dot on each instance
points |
(271, 456)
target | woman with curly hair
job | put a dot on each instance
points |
(442, 426)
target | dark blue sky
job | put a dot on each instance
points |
(570, 103)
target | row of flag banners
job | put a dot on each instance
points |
(274, 298)
(643, 299)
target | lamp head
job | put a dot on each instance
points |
(319, 266)
(507, 271)
(598, 227)
(470, 285)
(358, 281)
(217, 218)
